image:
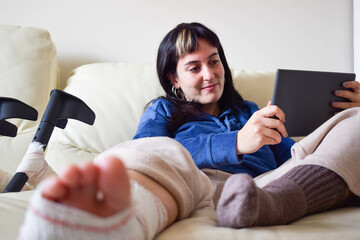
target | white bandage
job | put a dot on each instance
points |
(149, 210)
(34, 164)
(50, 220)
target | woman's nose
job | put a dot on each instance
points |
(207, 74)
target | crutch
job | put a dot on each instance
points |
(13, 108)
(61, 107)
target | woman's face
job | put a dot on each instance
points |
(201, 76)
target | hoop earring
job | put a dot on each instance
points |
(177, 93)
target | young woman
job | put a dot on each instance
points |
(203, 112)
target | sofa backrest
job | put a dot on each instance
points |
(255, 86)
(118, 94)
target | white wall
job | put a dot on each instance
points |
(256, 34)
(356, 9)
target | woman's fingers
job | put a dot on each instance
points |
(353, 94)
(345, 105)
(265, 127)
(272, 111)
(273, 117)
(276, 125)
(354, 85)
(252, 138)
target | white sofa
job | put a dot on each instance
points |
(117, 93)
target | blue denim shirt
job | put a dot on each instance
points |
(212, 140)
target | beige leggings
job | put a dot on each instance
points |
(335, 145)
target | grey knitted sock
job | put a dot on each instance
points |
(304, 190)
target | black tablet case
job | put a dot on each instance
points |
(306, 96)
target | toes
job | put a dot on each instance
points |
(58, 188)
(114, 183)
(78, 187)
(71, 177)
(53, 189)
(89, 174)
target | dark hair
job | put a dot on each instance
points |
(184, 39)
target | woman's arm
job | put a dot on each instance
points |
(211, 150)
(208, 149)
(214, 148)
(154, 121)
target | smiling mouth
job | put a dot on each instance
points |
(210, 87)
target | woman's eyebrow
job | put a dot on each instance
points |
(196, 61)
(214, 54)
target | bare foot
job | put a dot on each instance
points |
(102, 189)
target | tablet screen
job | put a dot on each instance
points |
(306, 96)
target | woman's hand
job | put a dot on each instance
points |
(353, 96)
(261, 129)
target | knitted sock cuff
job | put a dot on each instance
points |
(322, 187)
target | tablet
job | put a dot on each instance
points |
(306, 96)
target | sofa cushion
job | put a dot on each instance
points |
(28, 72)
(117, 93)
(255, 86)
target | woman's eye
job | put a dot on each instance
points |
(216, 61)
(194, 69)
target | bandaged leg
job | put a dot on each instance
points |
(46, 219)
(161, 159)
(168, 163)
